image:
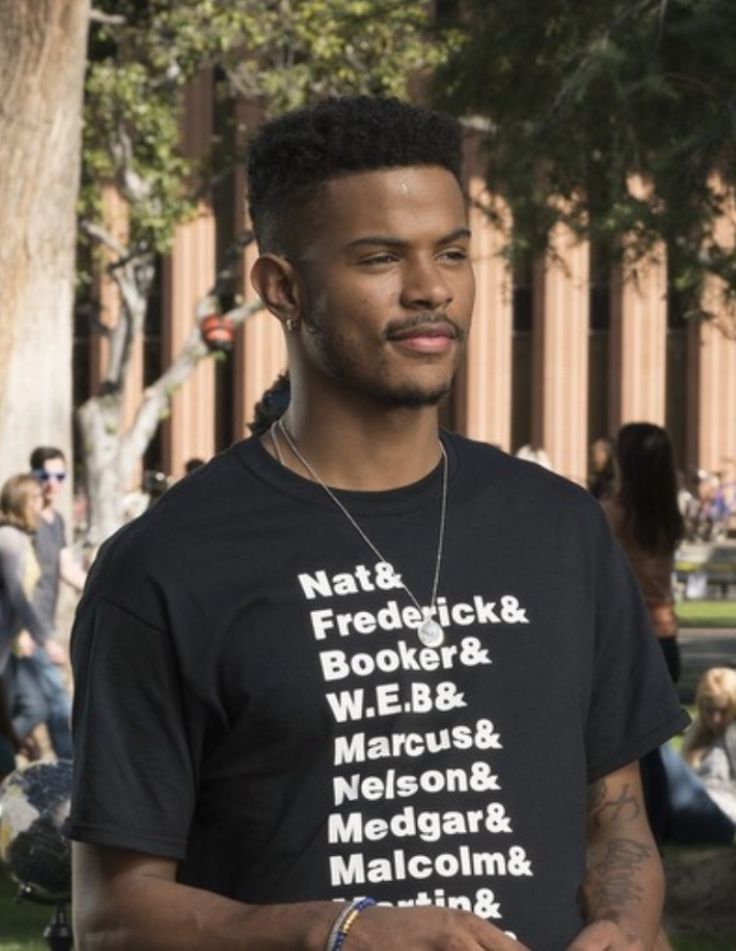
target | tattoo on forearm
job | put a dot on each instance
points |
(602, 810)
(613, 881)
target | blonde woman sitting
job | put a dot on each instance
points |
(703, 788)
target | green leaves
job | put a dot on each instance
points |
(582, 96)
(281, 54)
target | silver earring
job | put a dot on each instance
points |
(291, 324)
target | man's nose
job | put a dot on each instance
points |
(426, 286)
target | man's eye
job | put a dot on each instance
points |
(378, 259)
(455, 254)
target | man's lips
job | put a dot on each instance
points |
(436, 337)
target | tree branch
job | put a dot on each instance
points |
(102, 235)
(114, 19)
(157, 397)
(134, 186)
(134, 280)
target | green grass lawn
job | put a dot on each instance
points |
(707, 613)
(22, 923)
(700, 944)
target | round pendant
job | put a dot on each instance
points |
(430, 633)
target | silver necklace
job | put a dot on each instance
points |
(430, 631)
(276, 449)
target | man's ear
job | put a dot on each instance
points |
(276, 281)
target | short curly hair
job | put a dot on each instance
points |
(291, 158)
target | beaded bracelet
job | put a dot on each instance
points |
(345, 921)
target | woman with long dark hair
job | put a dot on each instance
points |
(644, 516)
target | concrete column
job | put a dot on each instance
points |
(712, 407)
(116, 220)
(188, 274)
(483, 386)
(259, 352)
(560, 354)
(638, 372)
(711, 442)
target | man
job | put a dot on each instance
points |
(39, 692)
(354, 656)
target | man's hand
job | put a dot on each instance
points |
(30, 748)
(70, 571)
(427, 929)
(57, 654)
(130, 900)
(606, 936)
(24, 645)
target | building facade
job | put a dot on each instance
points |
(562, 351)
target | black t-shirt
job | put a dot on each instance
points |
(252, 698)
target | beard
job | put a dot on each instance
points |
(342, 365)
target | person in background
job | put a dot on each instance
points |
(22, 630)
(40, 693)
(601, 476)
(702, 789)
(643, 514)
(707, 513)
(8, 739)
(153, 485)
(191, 464)
(55, 557)
(10, 744)
(535, 454)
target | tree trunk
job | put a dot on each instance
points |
(42, 61)
(99, 422)
(108, 452)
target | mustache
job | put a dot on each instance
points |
(425, 319)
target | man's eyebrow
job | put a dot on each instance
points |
(385, 240)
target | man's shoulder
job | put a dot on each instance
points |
(176, 544)
(191, 510)
(498, 470)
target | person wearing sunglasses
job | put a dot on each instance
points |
(41, 695)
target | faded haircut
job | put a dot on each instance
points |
(291, 158)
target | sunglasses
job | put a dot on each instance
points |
(45, 476)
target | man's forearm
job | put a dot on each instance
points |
(624, 881)
(70, 570)
(131, 902)
(624, 884)
(158, 915)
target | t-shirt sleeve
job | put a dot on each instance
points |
(633, 706)
(133, 783)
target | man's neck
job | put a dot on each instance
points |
(48, 512)
(370, 451)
